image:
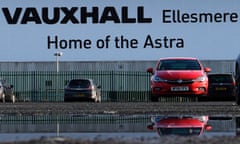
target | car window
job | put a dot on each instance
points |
(180, 131)
(79, 84)
(179, 65)
(220, 79)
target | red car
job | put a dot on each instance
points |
(178, 76)
(179, 125)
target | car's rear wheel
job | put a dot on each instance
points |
(154, 98)
(66, 100)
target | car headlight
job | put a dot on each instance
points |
(155, 119)
(202, 118)
(201, 78)
(158, 79)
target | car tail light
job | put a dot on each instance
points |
(150, 126)
(90, 87)
(233, 83)
(67, 88)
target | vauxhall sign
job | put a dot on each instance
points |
(119, 30)
(95, 15)
(64, 15)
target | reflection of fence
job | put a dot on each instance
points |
(42, 86)
(73, 123)
(90, 123)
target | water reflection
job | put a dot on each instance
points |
(179, 125)
(17, 127)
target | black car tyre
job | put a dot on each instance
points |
(154, 98)
(66, 100)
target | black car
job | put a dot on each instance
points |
(82, 90)
(221, 86)
(237, 77)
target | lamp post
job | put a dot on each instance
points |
(57, 54)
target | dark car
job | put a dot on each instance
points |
(82, 89)
(237, 78)
(6, 92)
(221, 86)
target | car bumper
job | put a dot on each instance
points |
(75, 95)
(165, 89)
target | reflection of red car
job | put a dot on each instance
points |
(179, 76)
(179, 125)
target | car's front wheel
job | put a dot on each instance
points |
(154, 98)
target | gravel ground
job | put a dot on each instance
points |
(153, 140)
(126, 108)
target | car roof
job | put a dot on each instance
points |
(178, 58)
(81, 79)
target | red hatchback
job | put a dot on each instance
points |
(178, 76)
(179, 125)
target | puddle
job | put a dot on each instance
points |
(109, 126)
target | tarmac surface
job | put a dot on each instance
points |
(228, 108)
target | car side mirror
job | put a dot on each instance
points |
(11, 86)
(207, 69)
(150, 70)
(208, 127)
(150, 126)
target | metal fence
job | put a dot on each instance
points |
(40, 86)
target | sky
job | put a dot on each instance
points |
(204, 40)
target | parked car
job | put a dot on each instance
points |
(82, 89)
(221, 86)
(178, 76)
(6, 92)
(237, 78)
(179, 125)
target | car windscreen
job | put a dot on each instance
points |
(220, 79)
(79, 84)
(180, 131)
(179, 65)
